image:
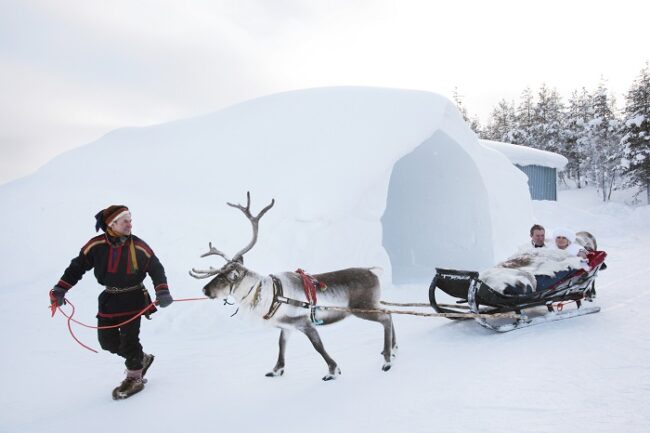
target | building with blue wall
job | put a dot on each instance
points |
(540, 166)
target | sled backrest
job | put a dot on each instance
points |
(596, 258)
(454, 282)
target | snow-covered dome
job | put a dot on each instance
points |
(361, 177)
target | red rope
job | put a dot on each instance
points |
(70, 319)
(560, 305)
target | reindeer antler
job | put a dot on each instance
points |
(214, 252)
(205, 273)
(254, 221)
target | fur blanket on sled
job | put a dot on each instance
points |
(520, 269)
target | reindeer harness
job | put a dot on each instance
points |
(309, 283)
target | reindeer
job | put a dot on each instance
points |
(280, 298)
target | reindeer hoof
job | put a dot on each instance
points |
(386, 366)
(332, 376)
(275, 373)
(393, 352)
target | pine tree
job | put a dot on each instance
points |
(604, 148)
(636, 132)
(546, 129)
(501, 124)
(524, 118)
(575, 134)
(475, 124)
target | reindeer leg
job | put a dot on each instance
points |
(389, 335)
(392, 327)
(314, 337)
(278, 370)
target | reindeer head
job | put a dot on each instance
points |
(233, 272)
(225, 280)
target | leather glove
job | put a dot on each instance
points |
(57, 296)
(164, 298)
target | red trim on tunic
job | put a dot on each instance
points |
(111, 315)
(64, 284)
(114, 263)
(161, 286)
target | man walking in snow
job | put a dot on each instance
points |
(121, 262)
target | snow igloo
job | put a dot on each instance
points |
(361, 177)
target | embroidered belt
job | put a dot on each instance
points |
(123, 289)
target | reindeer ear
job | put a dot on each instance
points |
(240, 260)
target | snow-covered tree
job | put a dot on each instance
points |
(599, 146)
(475, 124)
(575, 143)
(501, 125)
(546, 128)
(524, 118)
(603, 132)
(636, 132)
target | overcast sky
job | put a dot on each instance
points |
(71, 71)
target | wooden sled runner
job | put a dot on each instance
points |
(474, 296)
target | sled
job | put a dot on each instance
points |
(473, 296)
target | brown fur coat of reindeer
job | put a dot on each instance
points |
(348, 290)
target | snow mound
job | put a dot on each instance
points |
(361, 177)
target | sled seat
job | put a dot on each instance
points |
(568, 285)
(456, 283)
(595, 260)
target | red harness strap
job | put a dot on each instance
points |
(310, 284)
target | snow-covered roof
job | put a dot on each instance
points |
(523, 155)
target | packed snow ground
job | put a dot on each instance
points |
(588, 374)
